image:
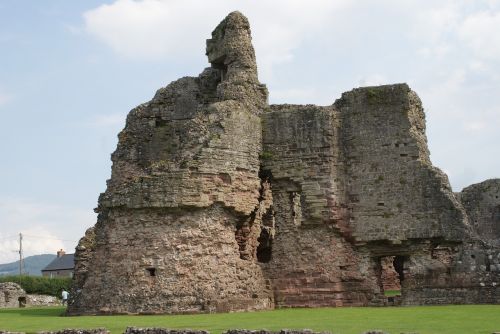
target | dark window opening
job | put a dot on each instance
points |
(390, 273)
(159, 122)
(403, 154)
(225, 177)
(22, 301)
(241, 235)
(389, 278)
(380, 203)
(472, 256)
(496, 221)
(151, 271)
(264, 250)
(219, 64)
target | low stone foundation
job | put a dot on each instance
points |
(135, 330)
(79, 331)
(11, 295)
(42, 300)
(452, 295)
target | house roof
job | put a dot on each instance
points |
(67, 261)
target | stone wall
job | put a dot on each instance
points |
(154, 330)
(469, 276)
(189, 262)
(135, 330)
(42, 300)
(394, 192)
(10, 293)
(313, 263)
(482, 203)
(79, 331)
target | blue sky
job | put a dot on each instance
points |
(71, 70)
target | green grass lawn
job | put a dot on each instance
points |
(467, 319)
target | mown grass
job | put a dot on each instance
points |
(467, 319)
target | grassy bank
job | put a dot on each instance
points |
(468, 319)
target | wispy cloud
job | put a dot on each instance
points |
(155, 29)
(479, 32)
(47, 227)
(373, 80)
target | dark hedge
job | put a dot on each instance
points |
(39, 284)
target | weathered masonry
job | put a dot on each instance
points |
(220, 202)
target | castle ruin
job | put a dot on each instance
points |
(221, 202)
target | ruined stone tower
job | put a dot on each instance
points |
(219, 202)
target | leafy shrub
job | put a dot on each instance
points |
(39, 284)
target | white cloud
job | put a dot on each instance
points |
(47, 227)
(479, 31)
(141, 29)
(156, 29)
(373, 80)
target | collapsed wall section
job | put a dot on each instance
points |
(475, 272)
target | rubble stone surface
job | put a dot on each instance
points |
(154, 330)
(220, 202)
(42, 300)
(482, 203)
(79, 331)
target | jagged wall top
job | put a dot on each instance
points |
(231, 45)
(230, 50)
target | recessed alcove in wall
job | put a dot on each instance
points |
(264, 250)
(151, 271)
(392, 275)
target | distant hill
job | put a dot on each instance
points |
(33, 265)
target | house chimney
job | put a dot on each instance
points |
(60, 253)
